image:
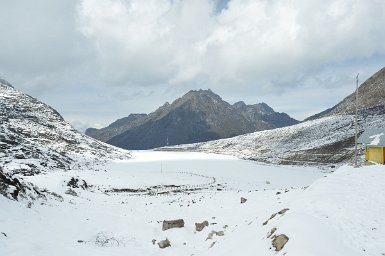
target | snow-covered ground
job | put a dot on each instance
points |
(122, 205)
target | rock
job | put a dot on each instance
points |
(164, 244)
(271, 217)
(243, 200)
(201, 226)
(220, 233)
(210, 235)
(279, 242)
(283, 211)
(71, 192)
(80, 241)
(167, 224)
(5, 181)
(212, 244)
(217, 233)
(153, 241)
(75, 183)
(271, 232)
(19, 156)
(4, 234)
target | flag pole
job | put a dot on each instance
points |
(356, 125)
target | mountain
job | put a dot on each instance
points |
(324, 139)
(34, 138)
(197, 116)
(116, 127)
(371, 94)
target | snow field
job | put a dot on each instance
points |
(338, 214)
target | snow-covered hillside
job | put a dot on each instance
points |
(326, 141)
(118, 209)
(34, 138)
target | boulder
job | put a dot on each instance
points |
(167, 224)
(201, 226)
(279, 242)
(164, 244)
(243, 200)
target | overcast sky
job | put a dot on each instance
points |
(99, 60)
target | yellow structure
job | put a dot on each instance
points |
(375, 154)
(374, 141)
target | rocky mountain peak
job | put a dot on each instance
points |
(201, 95)
(264, 108)
(199, 115)
(239, 104)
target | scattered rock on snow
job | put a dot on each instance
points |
(243, 200)
(220, 233)
(212, 233)
(164, 244)
(271, 217)
(271, 232)
(71, 192)
(201, 226)
(279, 242)
(167, 224)
(283, 211)
(75, 183)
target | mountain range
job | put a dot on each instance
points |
(197, 116)
(325, 139)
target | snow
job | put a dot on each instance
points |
(329, 214)
(375, 139)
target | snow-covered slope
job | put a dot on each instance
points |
(121, 209)
(35, 138)
(324, 141)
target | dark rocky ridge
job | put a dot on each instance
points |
(197, 116)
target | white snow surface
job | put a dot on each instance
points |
(376, 139)
(329, 214)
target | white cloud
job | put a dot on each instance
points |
(68, 53)
(252, 42)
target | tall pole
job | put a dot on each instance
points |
(355, 124)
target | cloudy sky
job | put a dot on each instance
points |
(99, 60)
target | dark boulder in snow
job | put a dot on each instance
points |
(201, 226)
(167, 224)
